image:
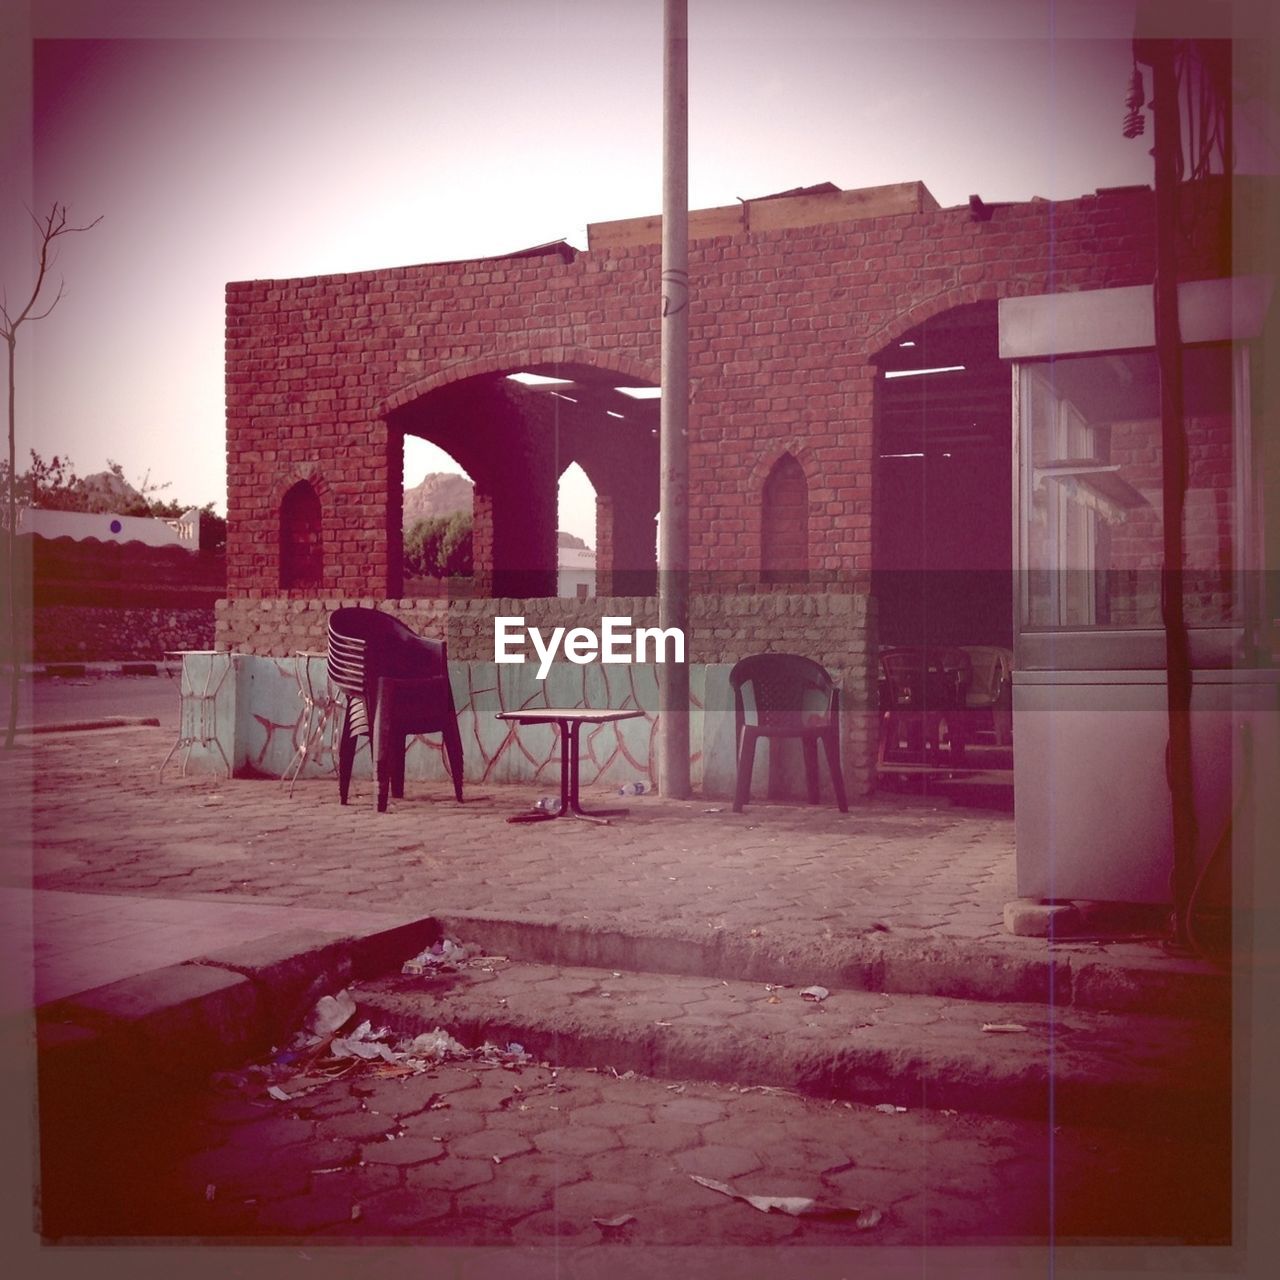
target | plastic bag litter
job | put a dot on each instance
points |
(365, 1049)
(816, 994)
(364, 1043)
(435, 1045)
(330, 1013)
(514, 1055)
(796, 1206)
(889, 1109)
(446, 954)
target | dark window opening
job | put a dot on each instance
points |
(301, 540)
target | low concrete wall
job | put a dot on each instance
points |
(831, 626)
(837, 630)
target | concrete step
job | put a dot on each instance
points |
(1074, 1065)
(1075, 973)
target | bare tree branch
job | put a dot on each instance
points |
(49, 228)
(62, 289)
(53, 225)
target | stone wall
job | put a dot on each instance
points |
(92, 601)
(96, 633)
(281, 626)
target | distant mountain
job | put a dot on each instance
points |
(441, 493)
(107, 491)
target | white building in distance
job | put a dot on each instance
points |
(184, 531)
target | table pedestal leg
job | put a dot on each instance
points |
(570, 807)
(575, 808)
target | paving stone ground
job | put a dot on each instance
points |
(89, 813)
(477, 1155)
(104, 821)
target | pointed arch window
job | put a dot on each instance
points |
(301, 538)
(784, 531)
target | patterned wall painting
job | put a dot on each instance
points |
(275, 705)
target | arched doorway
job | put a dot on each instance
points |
(515, 431)
(942, 529)
(576, 517)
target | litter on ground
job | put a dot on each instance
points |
(796, 1206)
(443, 956)
(318, 1054)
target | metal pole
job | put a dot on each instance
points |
(673, 545)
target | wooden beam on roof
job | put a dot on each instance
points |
(772, 213)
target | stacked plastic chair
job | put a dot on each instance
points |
(396, 684)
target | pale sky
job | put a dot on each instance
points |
(269, 138)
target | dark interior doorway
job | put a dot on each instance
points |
(942, 551)
(942, 546)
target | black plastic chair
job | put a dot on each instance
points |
(922, 704)
(781, 686)
(396, 684)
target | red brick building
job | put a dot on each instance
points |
(809, 463)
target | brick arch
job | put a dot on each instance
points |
(960, 295)
(784, 508)
(765, 463)
(326, 494)
(763, 467)
(586, 470)
(500, 362)
(613, 531)
(313, 475)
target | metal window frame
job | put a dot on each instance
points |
(1230, 310)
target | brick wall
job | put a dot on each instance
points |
(784, 325)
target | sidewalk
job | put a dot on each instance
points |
(903, 883)
(122, 876)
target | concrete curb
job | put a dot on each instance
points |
(917, 1052)
(1066, 975)
(116, 667)
(212, 1012)
(224, 1008)
(83, 726)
